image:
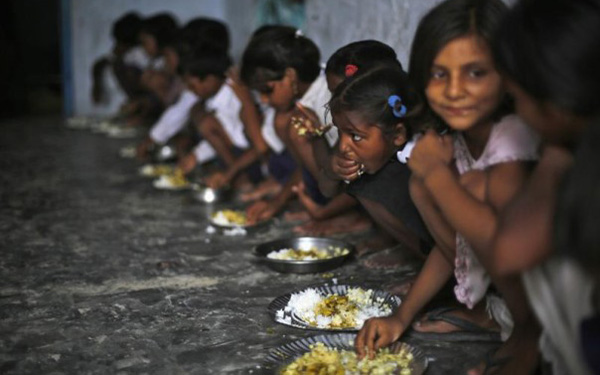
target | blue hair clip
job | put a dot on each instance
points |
(399, 109)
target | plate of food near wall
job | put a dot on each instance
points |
(304, 254)
(335, 354)
(332, 307)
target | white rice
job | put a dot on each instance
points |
(303, 304)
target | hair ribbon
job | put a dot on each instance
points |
(395, 102)
(350, 70)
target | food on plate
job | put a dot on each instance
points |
(334, 311)
(175, 180)
(323, 360)
(156, 170)
(313, 253)
(229, 218)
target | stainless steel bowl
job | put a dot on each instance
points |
(302, 266)
(205, 194)
(164, 153)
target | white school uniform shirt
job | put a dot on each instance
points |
(269, 133)
(316, 98)
(226, 107)
(173, 118)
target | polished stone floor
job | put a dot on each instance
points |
(100, 273)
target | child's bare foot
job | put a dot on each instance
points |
(264, 189)
(455, 319)
(377, 242)
(390, 258)
(345, 223)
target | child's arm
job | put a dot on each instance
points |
(251, 119)
(475, 219)
(380, 332)
(263, 210)
(524, 236)
(339, 204)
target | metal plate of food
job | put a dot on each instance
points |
(304, 254)
(332, 307)
(205, 194)
(233, 219)
(320, 352)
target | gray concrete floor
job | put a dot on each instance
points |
(102, 274)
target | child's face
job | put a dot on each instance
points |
(203, 88)
(464, 88)
(279, 94)
(149, 44)
(365, 143)
(555, 125)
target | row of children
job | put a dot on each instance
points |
(436, 157)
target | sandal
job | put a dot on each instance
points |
(469, 331)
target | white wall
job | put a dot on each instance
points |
(332, 24)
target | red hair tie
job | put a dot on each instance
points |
(351, 69)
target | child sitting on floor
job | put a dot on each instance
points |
(372, 111)
(548, 51)
(155, 33)
(194, 35)
(461, 182)
(344, 63)
(283, 66)
(126, 62)
(220, 116)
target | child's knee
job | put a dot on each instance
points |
(475, 183)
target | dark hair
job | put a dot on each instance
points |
(126, 29)
(202, 31)
(205, 62)
(447, 21)
(577, 215)
(551, 48)
(364, 54)
(271, 52)
(198, 34)
(162, 27)
(368, 91)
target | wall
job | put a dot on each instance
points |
(332, 24)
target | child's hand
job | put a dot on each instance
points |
(430, 152)
(187, 163)
(259, 211)
(217, 180)
(345, 168)
(377, 333)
